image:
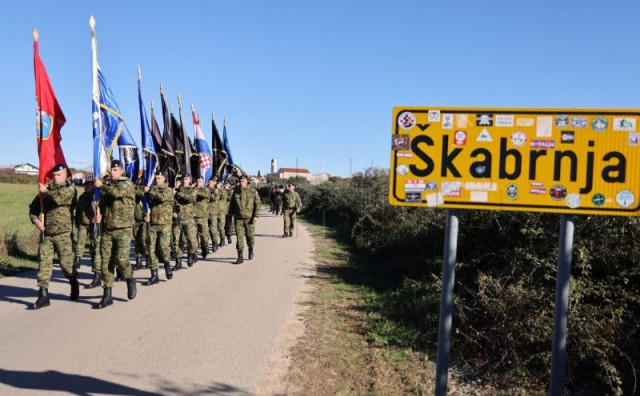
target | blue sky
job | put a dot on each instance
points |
(313, 83)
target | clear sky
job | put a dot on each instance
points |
(313, 83)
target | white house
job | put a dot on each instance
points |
(26, 169)
(285, 173)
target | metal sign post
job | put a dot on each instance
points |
(446, 302)
(558, 350)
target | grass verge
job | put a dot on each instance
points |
(350, 348)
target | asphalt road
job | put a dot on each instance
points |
(208, 331)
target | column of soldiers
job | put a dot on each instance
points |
(187, 215)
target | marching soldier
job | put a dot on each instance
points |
(292, 205)
(228, 219)
(201, 213)
(185, 196)
(161, 204)
(117, 203)
(85, 226)
(140, 230)
(58, 201)
(213, 210)
(245, 207)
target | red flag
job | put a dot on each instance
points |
(49, 119)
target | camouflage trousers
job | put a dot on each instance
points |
(229, 228)
(80, 239)
(245, 227)
(114, 249)
(185, 230)
(159, 239)
(202, 224)
(140, 236)
(46, 252)
(289, 216)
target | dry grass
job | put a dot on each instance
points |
(336, 356)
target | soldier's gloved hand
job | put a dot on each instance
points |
(38, 224)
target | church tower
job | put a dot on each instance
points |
(274, 165)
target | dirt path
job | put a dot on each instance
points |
(212, 329)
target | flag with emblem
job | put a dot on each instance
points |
(219, 155)
(202, 147)
(49, 119)
(168, 143)
(109, 128)
(149, 152)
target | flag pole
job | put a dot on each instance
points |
(97, 229)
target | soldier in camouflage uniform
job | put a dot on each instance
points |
(161, 204)
(58, 201)
(186, 196)
(140, 230)
(85, 226)
(228, 219)
(117, 204)
(213, 210)
(292, 205)
(245, 207)
(201, 214)
(222, 212)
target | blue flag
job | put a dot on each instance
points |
(226, 142)
(109, 128)
(149, 150)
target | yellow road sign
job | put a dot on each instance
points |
(582, 161)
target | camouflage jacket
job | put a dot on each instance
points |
(139, 214)
(245, 203)
(201, 207)
(185, 198)
(117, 203)
(214, 204)
(291, 200)
(58, 204)
(161, 204)
(225, 199)
(84, 209)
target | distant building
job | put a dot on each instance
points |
(285, 173)
(26, 169)
(319, 178)
(274, 165)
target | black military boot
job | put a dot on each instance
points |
(154, 277)
(205, 251)
(167, 270)
(147, 260)
(222, 243)
(119, 276)
(131, 288)
(286, 234)
(240, 260)
(290, 234)
(43, 299)
(97, 280)
(229, 239)
(215, 247)
(178, 264)
(190, 259)
(138, 263)
(76, 262)
(75, 289)
(106, 299)
(250, 253)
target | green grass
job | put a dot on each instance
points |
(18, 237)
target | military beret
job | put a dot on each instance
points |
(159, 173)
(58, 168)
(242, 177)
(116, 163)
(88, 182)
(200, 177)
